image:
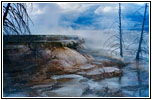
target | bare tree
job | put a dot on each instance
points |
(116, 41)
(141, 36)
(120, 32)
(15, 19)
(16, 22)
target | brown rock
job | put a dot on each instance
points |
(112, 63)
(45, 54)
(100, 73)
(70, 56)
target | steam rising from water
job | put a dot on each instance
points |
(105, 41)
(94, 39)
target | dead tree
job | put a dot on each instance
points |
(120, 32)
(141, 35)
(116, 38)
(15, 19)
(16, 22)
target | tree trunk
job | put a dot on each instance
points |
(121, 52)
(6, 12)
(141, 37)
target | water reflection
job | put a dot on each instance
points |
(134, 82)
(138, 75)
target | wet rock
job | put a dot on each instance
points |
(81, 46)
(46, 81)
(73, 76)
(64, 60)
(17, 48)
(87, 67)
(45, 54)
(65, 92)
(64, 72)
(39, 76)
(71, 85)
(14, 53)
(45, 41)
(100, 73)
(89, 57)
(41, 86)
(72, 70)
(112, 71)
(56, 58)
(98, 64)
(82, 73)
(90, 95)
(95, 74)
(70, 56)
(113, 63)
(63, 80)
(63, 43)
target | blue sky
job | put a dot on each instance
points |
(53, 17)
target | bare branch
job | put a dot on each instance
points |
(17, 19)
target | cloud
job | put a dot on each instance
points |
(55, 17)
(140, 3)
(107, 9)
(73, 7)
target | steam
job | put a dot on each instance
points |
(58, 18)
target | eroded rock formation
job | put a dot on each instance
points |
(60, 57)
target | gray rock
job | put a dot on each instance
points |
(66, 92)
(87, 66)
(72, 88)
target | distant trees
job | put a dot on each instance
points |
(140, 48)
(15, 19)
